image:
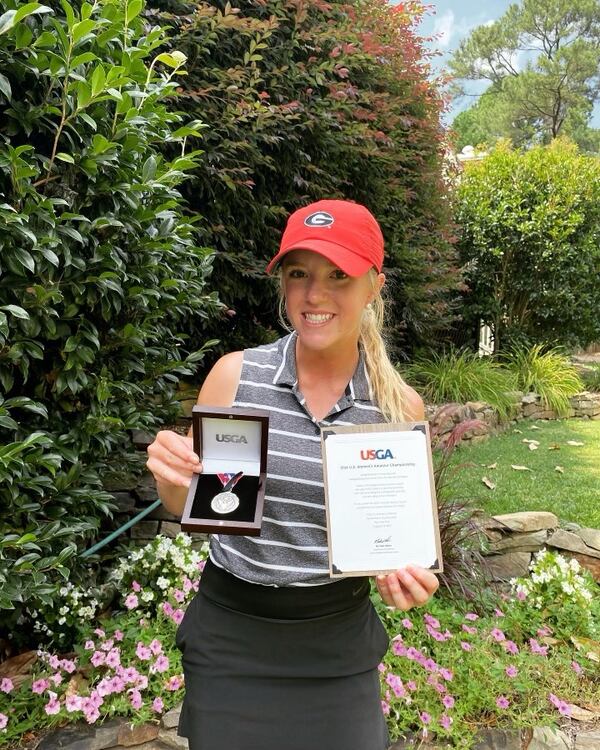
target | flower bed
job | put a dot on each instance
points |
(520, 660)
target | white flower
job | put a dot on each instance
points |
(147, 596)
(162, 583)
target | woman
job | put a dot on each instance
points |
(276, 656)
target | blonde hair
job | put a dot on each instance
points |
(385, 383)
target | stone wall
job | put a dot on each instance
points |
(443, 419)
(512, 539)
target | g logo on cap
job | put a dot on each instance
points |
(319, 219)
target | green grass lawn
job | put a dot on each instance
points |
(573, 494)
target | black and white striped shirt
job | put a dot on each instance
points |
(292, 547)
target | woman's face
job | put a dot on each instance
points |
(323, 304)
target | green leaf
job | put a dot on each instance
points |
(84, 57)
(13, 17)
(24, 258)
(83, 28)
(149, 169)
(70, 15)
(17, 311)
(5, 86)
(173, 59)
(134, 8)
(98, 80)
(61, 156)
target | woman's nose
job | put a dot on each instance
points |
(316, 290)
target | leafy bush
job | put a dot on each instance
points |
(529, 242)
(591, 378)
(99, 274)
(547, 372)
(312, 100)
(461, 375)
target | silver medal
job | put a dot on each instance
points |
(225, 502)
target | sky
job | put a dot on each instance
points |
(451, 21)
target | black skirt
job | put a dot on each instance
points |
(281, 668)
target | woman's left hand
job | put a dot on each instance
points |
(408, 587)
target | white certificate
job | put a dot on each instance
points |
(380, 499)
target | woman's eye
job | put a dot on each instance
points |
(295, 273)
(339, 274)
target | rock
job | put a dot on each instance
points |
(591, 537)
(161, 514)
(124, 501)
(571, 526)
(562, 539)
(130, 735)
(171, 718)
(530, 542)
(498, 739)
(144, 530)
(171, 739)
(530, 398)
(170, 528)
(141, 439)
(80, 737)
(589, 563)
(476, 406)
(527, 521)
(510, 565)
(545, 738)
(588, 740)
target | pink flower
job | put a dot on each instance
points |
(407, 623)
(143, 652)
(502, 701)
(497, 634)
(521, 595)
(396, 684)
(141, 682)
(73, 703)
(511, 647)
(498, 612)
(398, 648)
(411, 685)
(430, 665)
(131, 601)
(177, 616)
(468, 629)
(425, 717)
(385, 707)
(136, 586)
(564, 708)
(68, 665)
(113, 658)
(381, 667)
(99, 632)
(201, 565)
(535, 647)
(156, 647)
(54, 661)
(6, 685)
(158, 705)
(574, 666)
(107, 645)
(130, 674)
(412, 653)
(446, 674)
(187, 584)
(39, 686)
(471, 616)
(117, 684)
(445, 721)
(119, 635)
(89, 645)
(511, 671)
(161, 664)
(431, 621)
(135, 698)
(98, 658)
(167, 609)
(448, 701)
(175, 682)
(56, 678)
(465, 646)
(95, 699)
(543, 632)
(92, 715)
(554, 700)
(53, 705)
(178, 595)
(4, 721)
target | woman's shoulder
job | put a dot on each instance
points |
(221, 383)
(414, 408)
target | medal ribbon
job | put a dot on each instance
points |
(229, 480)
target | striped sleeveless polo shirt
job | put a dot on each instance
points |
(292, 547)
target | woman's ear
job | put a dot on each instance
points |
(378, 283)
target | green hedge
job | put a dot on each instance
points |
(99, 274)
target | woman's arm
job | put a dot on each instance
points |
(171, 457)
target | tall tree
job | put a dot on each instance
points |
(542, 59)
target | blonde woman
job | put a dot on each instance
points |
(275, 655)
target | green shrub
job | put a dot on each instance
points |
(99, 275)
(460, 376)
(547, 372)
(528, 240)
(591, 378)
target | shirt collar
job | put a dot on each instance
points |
(358, 389)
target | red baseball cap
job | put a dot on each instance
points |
(346, 233)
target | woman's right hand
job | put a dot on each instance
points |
(172, 460)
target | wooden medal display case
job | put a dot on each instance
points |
(228, 441)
